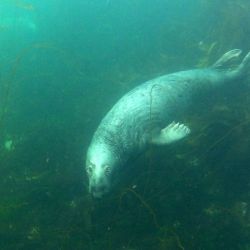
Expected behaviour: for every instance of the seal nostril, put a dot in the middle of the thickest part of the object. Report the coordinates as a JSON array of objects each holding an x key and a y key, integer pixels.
[
  {"x": 100, "y": 188},
  {"x": 94, "y": 189}
]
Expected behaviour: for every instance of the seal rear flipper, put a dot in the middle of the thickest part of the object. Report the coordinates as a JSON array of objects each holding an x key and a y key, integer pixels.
[
  {"x": 244, "y": 67},
  {"x": 173, "y": 132},
  {"x": 227, "y": 60},
  {"x": 227, "y": 63}
]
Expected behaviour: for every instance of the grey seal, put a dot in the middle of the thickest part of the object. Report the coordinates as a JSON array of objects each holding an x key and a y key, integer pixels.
[{"x": 147, "y": 114}]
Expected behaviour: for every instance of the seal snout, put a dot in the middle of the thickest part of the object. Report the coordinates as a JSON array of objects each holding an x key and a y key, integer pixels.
[
  {"x": 98, "y": 190},
  {"x": 98, "y": 186}
]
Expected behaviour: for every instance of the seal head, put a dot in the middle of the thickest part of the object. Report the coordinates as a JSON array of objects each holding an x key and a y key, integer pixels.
[{"x": 99, "y": 167}]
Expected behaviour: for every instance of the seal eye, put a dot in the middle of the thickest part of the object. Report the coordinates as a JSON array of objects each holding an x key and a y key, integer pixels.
[
  {"x": 107, "y": 170},
  {"x": 89, "y": 170}
]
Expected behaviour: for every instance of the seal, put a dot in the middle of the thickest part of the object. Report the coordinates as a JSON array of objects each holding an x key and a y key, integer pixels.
[{"x": 147, "y": 114}]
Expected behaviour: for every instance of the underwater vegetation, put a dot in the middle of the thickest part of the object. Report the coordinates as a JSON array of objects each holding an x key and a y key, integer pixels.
[
  {"x": 193, "y": 195},
  {"x": 20, "y": 4}
]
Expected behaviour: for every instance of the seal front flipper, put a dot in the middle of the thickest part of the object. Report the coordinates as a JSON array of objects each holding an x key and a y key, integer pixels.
[{"x": 173, "y": 132}]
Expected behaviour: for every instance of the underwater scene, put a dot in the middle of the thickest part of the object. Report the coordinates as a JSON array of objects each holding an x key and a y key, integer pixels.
[{"x": 64, "y": 65}]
